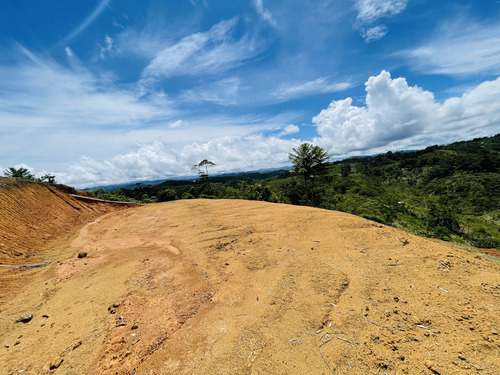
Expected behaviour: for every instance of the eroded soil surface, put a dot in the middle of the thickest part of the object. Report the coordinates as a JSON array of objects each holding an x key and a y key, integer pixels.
[{"x": 240, "y": 287}]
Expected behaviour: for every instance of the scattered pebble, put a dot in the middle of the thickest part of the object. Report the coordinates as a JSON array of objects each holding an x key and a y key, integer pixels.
[
  {"x": 122, "y": 321},
  {"x": 25, "y": 318},
  {"x": 55, "y": 363},
  {"x": 113, "y": 307}
]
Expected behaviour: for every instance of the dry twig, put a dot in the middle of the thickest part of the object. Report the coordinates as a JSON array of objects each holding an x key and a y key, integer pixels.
[{"x": 326, "y": 363}]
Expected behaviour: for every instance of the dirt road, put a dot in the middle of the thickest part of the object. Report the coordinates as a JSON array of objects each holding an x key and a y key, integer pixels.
[{"x": 240, "y": 287}]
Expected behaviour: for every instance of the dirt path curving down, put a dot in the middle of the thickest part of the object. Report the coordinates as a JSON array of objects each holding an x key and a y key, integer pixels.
[{"x": 239, "y": 287}]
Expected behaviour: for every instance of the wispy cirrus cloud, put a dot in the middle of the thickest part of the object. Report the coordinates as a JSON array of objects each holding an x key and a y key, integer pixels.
[
  {"x": 371, "y": 11},
  {"x": 223, "y": 92},
  {"x": 75, "y": 112},
  {"x": 46, "y": 93},
  {"x": 213, "y": 51},
  {"x": 70, "y": 111},
  {"x": 317, "y": 86},
  {"x": 107, "y": 48},
  {"x": 374, "y": 33},
  {"x": 264, "y": 13},
  {"x": 444, "y": 53},
  {"x": 86, "y": 23}
]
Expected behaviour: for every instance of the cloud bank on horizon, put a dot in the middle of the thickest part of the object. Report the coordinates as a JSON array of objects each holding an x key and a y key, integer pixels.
[{"x": 144, "y": 91}]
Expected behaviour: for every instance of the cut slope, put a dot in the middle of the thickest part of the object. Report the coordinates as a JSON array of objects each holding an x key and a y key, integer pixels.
[
  {"x": 33, "y": 213},
  {"x": 238, "y": 287}
]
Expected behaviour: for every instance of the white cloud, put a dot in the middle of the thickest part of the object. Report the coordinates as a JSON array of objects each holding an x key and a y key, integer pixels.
[
  {"x": 53, "y": 113},
  {"x": 459, "y": 47},
  {"x": 264, "y": 13},
  {"x": 107, "y": 48},
  {"x": 175, "y": 124},
  {"x": 143, "y": 44},
  {"x": 212, "y": 51},
  {"x": 317, "y": 86},
  {"x": 155, "y": 161},
  {"x": 371, "y": 11},
  {"x": 86, "y": 22},
  {"x": 397, "y": 116},
  {"x": 374, "y": 33},
  {"x": 290, "y": 129},
  {"x": 49, "y": 95},
  {"x": 223, "y": 92},
  {"x": 202, "y": 129}
]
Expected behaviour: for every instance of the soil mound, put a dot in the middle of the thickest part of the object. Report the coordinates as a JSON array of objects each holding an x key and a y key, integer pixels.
[
  {"x": 33, "y": 213},
  {"x": 239, "y": 287}
]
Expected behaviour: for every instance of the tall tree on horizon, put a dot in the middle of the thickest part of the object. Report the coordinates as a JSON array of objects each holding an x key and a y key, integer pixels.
[
  {"x": 202, "y": 168},
  {"x": 309, "y": 161}
]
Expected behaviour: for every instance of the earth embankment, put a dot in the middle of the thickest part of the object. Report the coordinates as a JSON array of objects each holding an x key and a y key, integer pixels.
[
  {"x": 34, "y": 213},
  {"x": 239, "y": 287}
]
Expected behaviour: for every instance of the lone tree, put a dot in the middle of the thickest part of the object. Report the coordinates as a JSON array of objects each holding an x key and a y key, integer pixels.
[
  {"x": 202, "y": 168},
  {"x": 309, "y": 161}
]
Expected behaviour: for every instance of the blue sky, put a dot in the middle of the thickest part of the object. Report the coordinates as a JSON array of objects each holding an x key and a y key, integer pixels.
[{"x": 109, "y": 91}]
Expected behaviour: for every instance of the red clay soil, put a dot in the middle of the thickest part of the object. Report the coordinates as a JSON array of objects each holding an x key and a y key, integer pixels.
[
  {"x": 34, "y": 213},
  {"x": 240, "y": 287}
]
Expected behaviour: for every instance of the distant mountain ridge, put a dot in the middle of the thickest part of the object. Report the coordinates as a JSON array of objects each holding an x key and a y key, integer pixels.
[{"x": 190, "y": 178}]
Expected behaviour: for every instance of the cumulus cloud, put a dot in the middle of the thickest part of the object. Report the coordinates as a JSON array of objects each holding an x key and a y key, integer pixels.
[
  {"x": 371, "y": 11},
  {"x": 458, "y": 47},
  {"x": 317, "y": 86},
  {"x": 155, "y": 161},
  {"x": 398, "y": 116}
]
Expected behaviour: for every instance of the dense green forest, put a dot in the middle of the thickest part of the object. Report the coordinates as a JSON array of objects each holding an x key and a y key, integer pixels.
[{"x": 448, "y": 192}]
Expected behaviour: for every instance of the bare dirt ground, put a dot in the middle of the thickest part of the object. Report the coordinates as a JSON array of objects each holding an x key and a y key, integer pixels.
[
  {"x": 240, "y": 287},
  {"x": 33, "y": 214}
]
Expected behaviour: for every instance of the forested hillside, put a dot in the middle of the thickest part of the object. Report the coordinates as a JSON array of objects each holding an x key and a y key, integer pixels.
[{"x": 448, "y": 192}]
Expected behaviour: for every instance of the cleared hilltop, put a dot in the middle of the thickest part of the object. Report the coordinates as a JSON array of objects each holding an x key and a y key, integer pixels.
[{"x": 235, "y": 287}]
